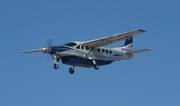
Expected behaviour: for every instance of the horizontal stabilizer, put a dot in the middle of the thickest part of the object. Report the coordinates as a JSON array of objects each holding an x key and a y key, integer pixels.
[
  {"x": 31, "y": 51},
  {"x": 137, "y": 51}
]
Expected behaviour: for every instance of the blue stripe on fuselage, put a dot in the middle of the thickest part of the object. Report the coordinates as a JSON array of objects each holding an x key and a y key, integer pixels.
[
  {"x": 58, "y": 49},
  {"x": 73, "y": 60}
]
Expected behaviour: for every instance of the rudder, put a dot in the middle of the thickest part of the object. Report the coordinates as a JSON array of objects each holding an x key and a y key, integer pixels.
[{"x": 128, "y": 41}]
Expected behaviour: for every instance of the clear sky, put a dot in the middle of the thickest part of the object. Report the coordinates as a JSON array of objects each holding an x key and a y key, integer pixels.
[{"x": 148, "y": 79}]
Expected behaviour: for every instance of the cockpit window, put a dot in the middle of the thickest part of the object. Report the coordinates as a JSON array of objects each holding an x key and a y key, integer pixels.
[
  {"x": 78, "y": 47},
  {"x": 70, "y": 44}
]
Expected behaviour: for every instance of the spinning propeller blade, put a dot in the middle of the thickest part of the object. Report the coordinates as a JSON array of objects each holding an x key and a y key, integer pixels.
[
  {"x": 49, "y": 41},
  {"x": 43, "y": 49},
  {"x": 32, "y": 51}
]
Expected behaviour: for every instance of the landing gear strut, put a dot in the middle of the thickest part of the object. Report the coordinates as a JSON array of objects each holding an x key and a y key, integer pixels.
[
  {"x": 96, "y": 67},
  {"x": 71, "y": 70},
  {"x": 56, "y": 60}
]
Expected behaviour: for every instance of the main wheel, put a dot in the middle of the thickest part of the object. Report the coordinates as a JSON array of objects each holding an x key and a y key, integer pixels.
[
  {"x": 71, "y": 70},
  {"x": 56, "y": 66},
  {"x": 96, "y": 67}
]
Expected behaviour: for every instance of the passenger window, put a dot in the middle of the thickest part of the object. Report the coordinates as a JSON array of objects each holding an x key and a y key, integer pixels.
[
  {"x": 110, "y": 52},
  {"x": 87, "y": 47},
  {"x": 98, "y": 50},
  {"x": 103, "y": 50},
  {"x": 78, "y": 47},
  {"x": 82, "y": 47},
  {"x": 106, "y": 51}
]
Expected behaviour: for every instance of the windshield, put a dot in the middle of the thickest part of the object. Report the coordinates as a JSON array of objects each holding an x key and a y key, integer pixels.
[{"x": 71, "y": 44}]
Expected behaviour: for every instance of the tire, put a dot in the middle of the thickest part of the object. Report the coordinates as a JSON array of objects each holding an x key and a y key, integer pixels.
[
  {"x": 71, "y": 70},
  {"x": 56, "y": 66},
  {"x": 96, "y": 67}
]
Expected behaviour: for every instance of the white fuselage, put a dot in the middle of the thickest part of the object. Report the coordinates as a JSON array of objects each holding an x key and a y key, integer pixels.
[{"x": 100, "y": 53}]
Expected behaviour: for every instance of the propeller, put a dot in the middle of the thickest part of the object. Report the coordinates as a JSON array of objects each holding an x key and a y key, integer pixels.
[
  {"x": 43, "y": 49},
  {"x": 49, "y": 58},
  {"x": 49, "y": 41},
  {"x": 49, "y": 49}
]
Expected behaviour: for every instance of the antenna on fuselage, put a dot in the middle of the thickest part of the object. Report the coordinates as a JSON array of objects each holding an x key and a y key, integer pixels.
[{"x": 82, "y": 42}]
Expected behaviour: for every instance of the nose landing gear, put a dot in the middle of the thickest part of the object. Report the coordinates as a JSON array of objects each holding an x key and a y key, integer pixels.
[{"x": 56, "y": 60}]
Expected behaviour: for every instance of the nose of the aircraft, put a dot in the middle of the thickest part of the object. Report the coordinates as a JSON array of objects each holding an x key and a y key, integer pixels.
[
  {"x": 55, "y": 49},
  {"x": 46, "y": 50}
]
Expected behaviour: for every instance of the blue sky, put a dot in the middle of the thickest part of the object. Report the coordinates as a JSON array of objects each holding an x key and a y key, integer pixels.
[{"x": 148, "y": 79}]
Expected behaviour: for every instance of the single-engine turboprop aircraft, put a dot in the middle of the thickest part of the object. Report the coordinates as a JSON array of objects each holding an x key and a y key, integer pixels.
[{"x": 91, "y": 53}]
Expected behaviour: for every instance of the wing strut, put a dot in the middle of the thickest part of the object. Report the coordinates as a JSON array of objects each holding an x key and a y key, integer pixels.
[{"x": 93, "y": 48}]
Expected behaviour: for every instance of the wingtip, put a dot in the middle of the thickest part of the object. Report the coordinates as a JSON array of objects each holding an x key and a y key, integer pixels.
[
  {"x": 141, "y": 30},
  {"x": 149, "y": 49}
]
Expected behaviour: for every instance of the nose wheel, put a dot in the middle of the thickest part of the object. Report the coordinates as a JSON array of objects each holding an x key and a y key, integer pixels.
[
  {"x": 56, "y": 66},
  {"x": 56, "y": 60}
]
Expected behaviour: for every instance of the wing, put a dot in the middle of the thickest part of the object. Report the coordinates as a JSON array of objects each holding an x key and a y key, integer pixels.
[
  {"x": 137, "y": 51},
  {"x": 111, "y": 39}
]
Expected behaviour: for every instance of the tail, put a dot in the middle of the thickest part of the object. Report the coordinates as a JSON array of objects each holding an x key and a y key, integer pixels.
[
  {"x": 128, "y": 44},
  {"x": 128, "y": 41},
  {"x": 128, "y": 47}
]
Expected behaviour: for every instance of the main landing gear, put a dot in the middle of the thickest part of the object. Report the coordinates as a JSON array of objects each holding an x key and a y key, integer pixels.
[
  {"x": 56, "y": 66},
  {"x": 96, "y": 67},
  {"x": 71, "y": 70}
]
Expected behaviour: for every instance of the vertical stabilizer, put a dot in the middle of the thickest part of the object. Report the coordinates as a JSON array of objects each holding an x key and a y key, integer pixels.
[
  {"x": 128, "y": 44},
  {"x": 128, "y": 41}
]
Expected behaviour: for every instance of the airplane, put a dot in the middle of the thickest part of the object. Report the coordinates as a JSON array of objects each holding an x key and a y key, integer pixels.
[{"x": 92, "y": 53}]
